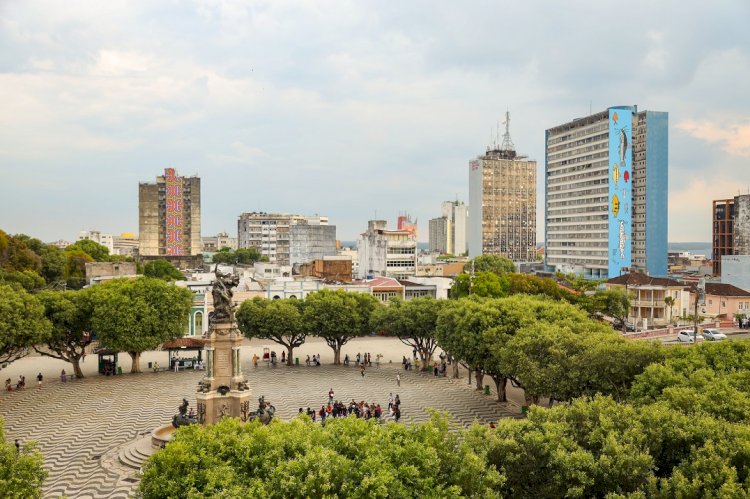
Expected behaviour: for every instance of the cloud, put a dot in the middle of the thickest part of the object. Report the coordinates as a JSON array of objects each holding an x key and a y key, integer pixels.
[{"x": 733, "y": 138}]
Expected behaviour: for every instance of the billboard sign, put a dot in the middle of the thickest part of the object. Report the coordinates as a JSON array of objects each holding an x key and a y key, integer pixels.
[
  {"x": 174, "y": 213},
  {"x": 620, "y": 189}
]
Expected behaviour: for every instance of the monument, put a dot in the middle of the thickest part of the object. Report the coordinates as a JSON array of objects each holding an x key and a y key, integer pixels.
[{"x": 223, "y": 391}]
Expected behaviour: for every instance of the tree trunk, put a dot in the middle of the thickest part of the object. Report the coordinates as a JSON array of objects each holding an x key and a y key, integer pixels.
[
  {"x": 479, "y": 376},
  {"x": 425, "y": 359},
  {"x": 500, "y": 383},
  {"x": 337, "y": 355},
  {"x": 76, "y": 367},
  {"x": 136, "y": 358},
  {"x": 289, "y": 353}
]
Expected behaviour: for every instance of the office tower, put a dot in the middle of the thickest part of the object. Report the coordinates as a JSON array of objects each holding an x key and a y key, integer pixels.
[
  {"x": 502, "y": 202},
  {"x": 387, "y": 253},
  {"x": 287, "y": 239},
  {"x": 731, "y": 229},
  {"x": 448, "y": 232},
  {"x": 439, "y": 235},
  {"x": 169, "y": 216},
  {"x": 606, "y": 209}
]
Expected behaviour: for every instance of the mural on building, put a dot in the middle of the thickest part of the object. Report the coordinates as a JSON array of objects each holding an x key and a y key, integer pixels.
[
  {"x": 174, "y": 214},
  {"x": 620, "y": 189}
]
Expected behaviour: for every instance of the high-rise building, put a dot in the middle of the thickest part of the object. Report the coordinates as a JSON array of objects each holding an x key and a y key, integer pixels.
[
  {"x": 99, "y": 237},
  {"x": 169, "y": 216},
  {"x": 439, "y": 235},
  {"x": 404, "y": 222},
  {"x": 502, "y": 203},
  {"x": 448, "y": 232},
  {"x": 287, "y": 239},
  {"x": 387, "y": 253},
  {"x": 731, "y": 229},
  {"x": 606, "y": 194}
]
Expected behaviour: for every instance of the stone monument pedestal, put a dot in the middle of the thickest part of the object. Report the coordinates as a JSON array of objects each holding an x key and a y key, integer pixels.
[{"x": 223, "y": 391}]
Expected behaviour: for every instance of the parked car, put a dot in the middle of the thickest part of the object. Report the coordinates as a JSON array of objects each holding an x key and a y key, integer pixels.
[
  {"x": 712, "y": 334},
  {"x": 686, "y": 336}
]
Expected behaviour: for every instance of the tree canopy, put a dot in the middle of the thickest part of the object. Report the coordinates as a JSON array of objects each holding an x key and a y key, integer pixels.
[
  {"x": 242, "y": 256},
  {"x": 413, "y": 322},
  {"x": 98, "y": 252},
  {"x": 346, "y": 457},
  {"x": 162, "y": 269},
  {"x": 490, "y": 263},
  {"x": 135, "y": 315},
  {"x": 338, "y": 316},
  {"x": 22, "y": 473},
  {"x": 279, "y": 321},
  {"x": 22, "y": 322}
]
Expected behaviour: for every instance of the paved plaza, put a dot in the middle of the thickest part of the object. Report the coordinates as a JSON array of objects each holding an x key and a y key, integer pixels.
[{"x": 80, "y": 425}]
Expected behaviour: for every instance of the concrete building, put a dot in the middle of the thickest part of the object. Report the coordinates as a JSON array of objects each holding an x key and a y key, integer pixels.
[
  {"x": 502, "y": 203},
  {"x": 169, "y": 216},
  {"x": 605, "y": 188},
  {"x": 414, "y": 290},
  {"x": 212, "y": 244},
  {"x": 648, "y": 307},
  {"x": 448, "y": 232},
  {"x": 105, "y": 240},
  {"x": 731, "y": 229},
  {"x": 329, "y": 268},
  {"x": 724, "y": 301},
  {"x": 287, "y": 239},
  {"x": 388, "y": 253},
  {"x": 439, "y": 235},
  {"x": 97, "y": 272}
]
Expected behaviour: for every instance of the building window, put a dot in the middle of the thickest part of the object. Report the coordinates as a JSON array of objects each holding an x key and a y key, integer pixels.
[{"x": 198, "y": 323}]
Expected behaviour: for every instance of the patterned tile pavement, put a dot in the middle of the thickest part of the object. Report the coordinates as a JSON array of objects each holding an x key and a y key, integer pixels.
[{"x": 79, "y": 425}]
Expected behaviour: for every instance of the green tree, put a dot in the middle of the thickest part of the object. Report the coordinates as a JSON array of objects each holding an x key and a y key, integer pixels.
[
  {"x": 16, "y": 253},
  {"x": 669, "y": 301},
  {"x": 348, "y": 457},
  {"x": 614, "y": 303},
  {"x": 75, "y": 267},
  {"x": 95, "y": 250},
  {"x": 69, "y": 312},
  {"x": 413, "y": 322},
  {"x": 22, "y": 322},
  {"x": 279, "y": 321},
  {"x": 53, "y": 264},
  {"x": 136, "y": 315},
  {"x": 490, "y": 263},
  {"x": 482, "y": 284},
  {"x": 243, "y": 256},
  {"x": 337, "y": 317},
  {"x": 28, "y": 279},
  {"x": 22, "y": 474},
  {"x": 162, "y": 269}
]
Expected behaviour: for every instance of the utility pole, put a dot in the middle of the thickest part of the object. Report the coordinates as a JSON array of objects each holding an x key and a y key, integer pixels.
[{"x": 700, "y": 291}]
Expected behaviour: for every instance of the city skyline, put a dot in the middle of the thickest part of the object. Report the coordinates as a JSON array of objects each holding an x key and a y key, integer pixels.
[{"x": 346, "y": 110}]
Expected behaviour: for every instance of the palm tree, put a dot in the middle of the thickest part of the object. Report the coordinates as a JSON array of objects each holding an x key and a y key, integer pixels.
[{"x": 670, "y": 303}]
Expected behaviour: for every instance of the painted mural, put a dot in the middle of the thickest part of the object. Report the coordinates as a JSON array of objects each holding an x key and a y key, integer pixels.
[
  {"x": 174, "y": 213},
  {"x": 620, "y": 189}
]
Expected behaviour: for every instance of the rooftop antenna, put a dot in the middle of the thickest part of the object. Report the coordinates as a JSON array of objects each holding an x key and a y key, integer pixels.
[{"x": 507, "y": 142}]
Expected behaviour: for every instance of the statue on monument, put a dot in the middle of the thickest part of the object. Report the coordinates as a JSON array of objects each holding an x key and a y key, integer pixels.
[{"x": 221, "y": 291}]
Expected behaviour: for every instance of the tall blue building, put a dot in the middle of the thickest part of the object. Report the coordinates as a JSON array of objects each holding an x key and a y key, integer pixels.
[{"x": 606, "y": 194}]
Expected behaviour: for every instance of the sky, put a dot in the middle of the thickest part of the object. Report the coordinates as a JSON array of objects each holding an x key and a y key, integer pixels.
[{"x": 354, "y": 110}]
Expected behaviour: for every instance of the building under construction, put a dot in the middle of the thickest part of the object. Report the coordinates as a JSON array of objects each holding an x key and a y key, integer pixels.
[{"x": 502, "y": 202}]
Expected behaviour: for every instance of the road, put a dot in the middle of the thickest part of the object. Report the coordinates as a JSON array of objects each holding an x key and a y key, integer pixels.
[{"x": 733, "y": 334}]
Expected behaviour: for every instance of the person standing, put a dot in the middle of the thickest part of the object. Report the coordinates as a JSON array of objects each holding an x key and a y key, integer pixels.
[
  {"x": 362, "y": 369},
  {"x": 330, "y": 396},
  {"x": 390, "y": 400},
  {"x": 414, "y": 352},
  {"x": 398, "y": 379},
  {"x": 18, "y": 446},
  {"x": 39, "y": 379}
]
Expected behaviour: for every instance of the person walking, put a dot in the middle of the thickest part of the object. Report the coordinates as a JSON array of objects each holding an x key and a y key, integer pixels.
[
  {"x": 390, "y": 400},
  {"x": 362, "y": 369},
  {"x": 39, "y": 379},
  {"x": 63, "y": 376},
  {"x": 398, "y": 379},
  {"x": 18, "y": 446},
  {"x": 330, "y": 396}
]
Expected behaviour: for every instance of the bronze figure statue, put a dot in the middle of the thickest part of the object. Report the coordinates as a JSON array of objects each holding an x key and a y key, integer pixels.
[{"x": 221, "y": 291}]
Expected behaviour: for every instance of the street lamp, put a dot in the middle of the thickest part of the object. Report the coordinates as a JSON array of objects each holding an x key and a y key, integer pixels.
[{"x": 700, "y": 296}]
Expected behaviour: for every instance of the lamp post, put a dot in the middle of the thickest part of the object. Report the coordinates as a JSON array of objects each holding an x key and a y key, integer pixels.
[{"x": 699, "y": 296}]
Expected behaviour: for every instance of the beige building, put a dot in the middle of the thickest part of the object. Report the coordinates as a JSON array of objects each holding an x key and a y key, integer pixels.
[
  {"x": 388, "y": 253},
  {"x": 169, "y": 216},
  {"x": 502, "y": 203},
  {"x": 648, "y": 298}
]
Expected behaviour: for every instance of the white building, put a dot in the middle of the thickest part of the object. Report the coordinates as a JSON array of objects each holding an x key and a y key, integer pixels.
[
  {"x": 105, "y": 240},
  {"x": 388, "y": 253}
]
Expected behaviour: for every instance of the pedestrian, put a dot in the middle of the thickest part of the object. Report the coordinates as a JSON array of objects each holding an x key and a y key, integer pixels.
[
  {"x": 330, "y": 396},
  {"x": 362, "y": 370},
  {"x": 176, "y": 365},
  {"x": 39, "y": 379},
  {"x": 414, "y": 352},
  {"x": 346, "y": 359},
  {"x": 63, "y": 376},
  {"x": 307, "y": 361},
  {"x": 435, "y": 368},
  {"x": 397, "y": 402},
  {"x": 397, "y": 414},
  {"x": 398, "y": 379},
  {"x": 8, "y": 387},
  {"x": 255, "y": 360},
  {"x": 283, "y": 357},
  {"x": 359, "y": 359},
  {"x": 390, "y": 400},
  {"x": 18, "y": 446}
]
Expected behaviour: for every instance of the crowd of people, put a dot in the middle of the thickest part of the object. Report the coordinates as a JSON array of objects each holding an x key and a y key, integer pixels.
[{"x": 339, "y": 409}]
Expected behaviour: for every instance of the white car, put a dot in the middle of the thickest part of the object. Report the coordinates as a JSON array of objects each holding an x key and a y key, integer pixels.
[
  {"x": 686, "y": 336},
  {"x": 713, "y": 334}
]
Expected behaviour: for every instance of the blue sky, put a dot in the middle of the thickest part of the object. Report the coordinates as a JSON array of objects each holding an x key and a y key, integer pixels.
[{"x": 346, "y": 109}]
